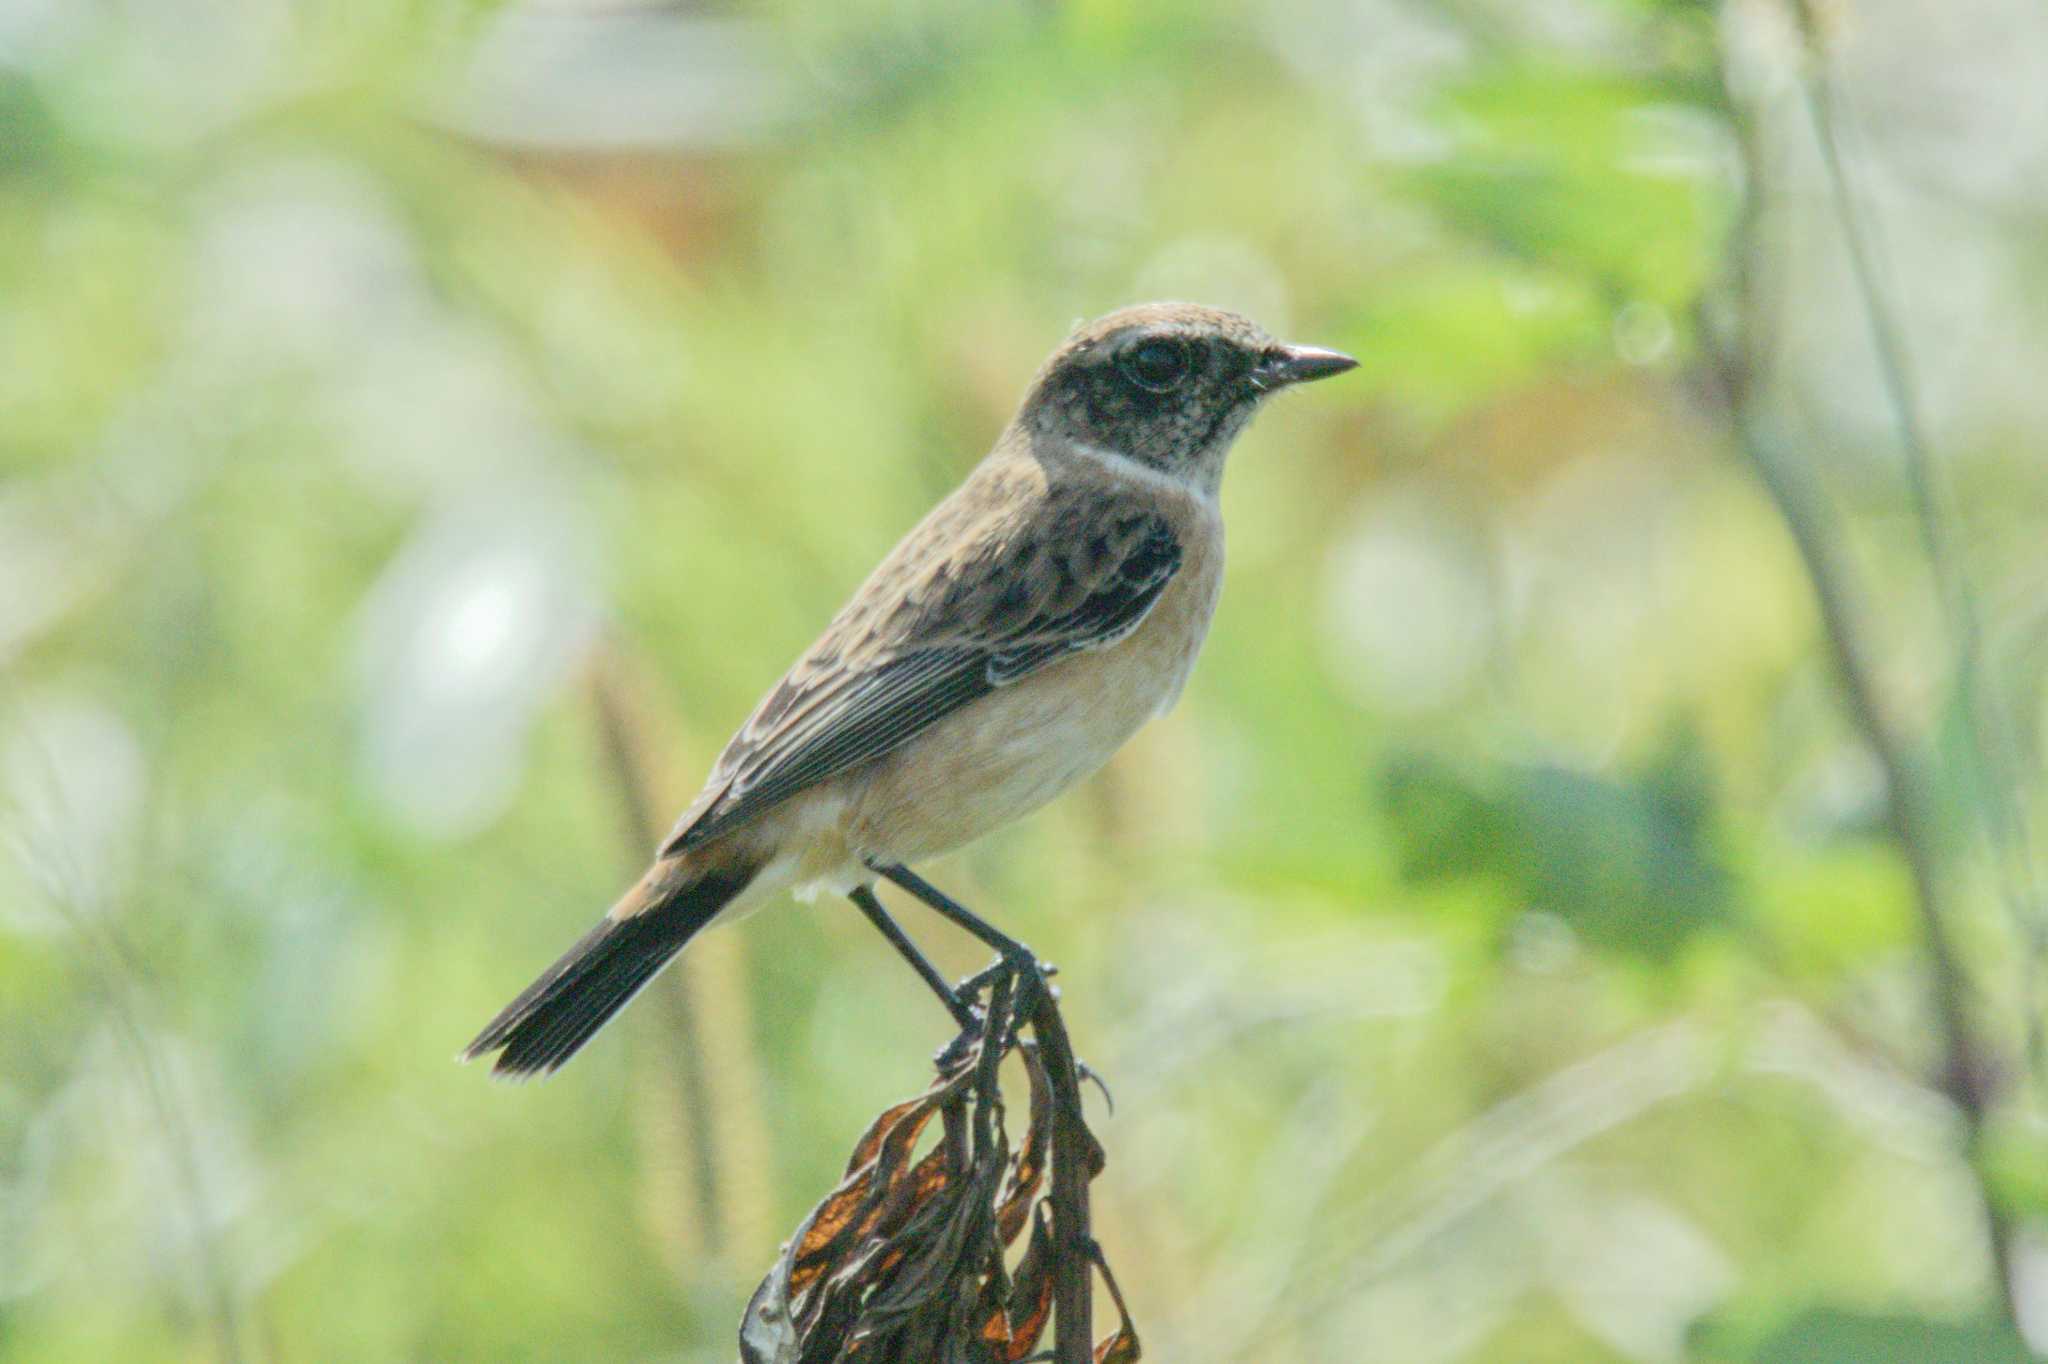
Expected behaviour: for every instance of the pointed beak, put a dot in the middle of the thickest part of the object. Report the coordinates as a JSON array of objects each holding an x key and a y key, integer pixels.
[{"x": 1285, "y": 365}]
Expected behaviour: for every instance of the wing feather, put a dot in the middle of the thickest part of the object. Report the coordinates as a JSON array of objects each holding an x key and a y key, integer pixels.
[{"x": 954, "y": 614}]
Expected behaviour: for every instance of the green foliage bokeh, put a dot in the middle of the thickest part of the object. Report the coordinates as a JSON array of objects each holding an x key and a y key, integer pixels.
[{"x": 1500, "y": 955}]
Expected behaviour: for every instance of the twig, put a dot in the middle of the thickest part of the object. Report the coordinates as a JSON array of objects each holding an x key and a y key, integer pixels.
[{"x": 1967, "y": 1073}]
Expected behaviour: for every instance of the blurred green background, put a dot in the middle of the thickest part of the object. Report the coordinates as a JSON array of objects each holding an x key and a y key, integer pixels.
[{"x": 1503, "y": 954}]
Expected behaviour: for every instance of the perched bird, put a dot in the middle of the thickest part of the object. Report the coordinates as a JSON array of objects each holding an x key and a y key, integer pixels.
[{"x": 1005, "y": 649}]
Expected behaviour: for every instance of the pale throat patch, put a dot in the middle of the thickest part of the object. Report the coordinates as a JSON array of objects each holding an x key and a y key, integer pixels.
[{"x": 1136, "y": 471}]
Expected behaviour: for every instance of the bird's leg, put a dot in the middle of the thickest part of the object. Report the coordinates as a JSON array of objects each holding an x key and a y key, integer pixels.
[
  {"x": 1016, "y": 956},
  {"x": 864, "y": 898},
  {"x": 1031, "y": 973}
]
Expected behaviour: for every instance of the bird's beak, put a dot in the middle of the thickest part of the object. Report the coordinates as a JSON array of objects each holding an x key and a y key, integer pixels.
[{"x": 1285, "y": 365}]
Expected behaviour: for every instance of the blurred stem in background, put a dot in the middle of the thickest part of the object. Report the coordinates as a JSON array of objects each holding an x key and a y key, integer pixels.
[
  {"x": 1737, "y": 342},
  {"x": 1999, "y": 789},
  {"x": 218, "y": 1298},
  {"x": 705, "y": 1118},
  {"x": 114, "y": 971}
]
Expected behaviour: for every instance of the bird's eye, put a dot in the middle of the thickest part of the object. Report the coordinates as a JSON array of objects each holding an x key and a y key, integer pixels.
[{"x": 1159, "y": 364}]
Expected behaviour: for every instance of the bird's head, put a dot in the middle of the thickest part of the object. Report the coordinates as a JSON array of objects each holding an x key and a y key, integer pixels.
[{"x": 1168, "y": 385}]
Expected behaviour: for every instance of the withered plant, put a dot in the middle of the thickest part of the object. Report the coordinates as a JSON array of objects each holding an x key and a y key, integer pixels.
[{"x": 910, "y": 1257}]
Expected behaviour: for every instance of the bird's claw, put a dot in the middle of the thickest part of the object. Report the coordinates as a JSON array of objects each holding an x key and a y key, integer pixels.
[{"x": 1086, "y": 1072}]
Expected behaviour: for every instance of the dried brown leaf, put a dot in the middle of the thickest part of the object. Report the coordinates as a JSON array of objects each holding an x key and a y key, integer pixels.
[
  {"x": 1030, "y": 1167},
  {"x": 906, "y": 1259},
  {"x": 870, "y": 1193},
  {"x": 1122, "y": 1347},
  {"x": 1030, "y": 1305}
]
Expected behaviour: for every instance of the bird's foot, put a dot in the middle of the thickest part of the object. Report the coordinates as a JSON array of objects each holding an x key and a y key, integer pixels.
[{"x": 1022, "y": 964}]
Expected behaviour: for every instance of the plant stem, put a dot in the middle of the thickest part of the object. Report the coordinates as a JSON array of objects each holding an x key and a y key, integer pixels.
[
  {"x": 1074, "y": 1157},
  {"x": 640, "y": 833},
  {"x": 1986, "y": 721},
  {"x": 1967, "y": 1071}
]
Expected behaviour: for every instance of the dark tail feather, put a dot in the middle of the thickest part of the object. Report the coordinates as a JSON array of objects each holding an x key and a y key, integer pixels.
[{"x": 557, "y": 1014}]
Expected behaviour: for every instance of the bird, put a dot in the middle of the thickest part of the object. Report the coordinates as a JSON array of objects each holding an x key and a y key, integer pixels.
[{"x": 1013, "y": 640}]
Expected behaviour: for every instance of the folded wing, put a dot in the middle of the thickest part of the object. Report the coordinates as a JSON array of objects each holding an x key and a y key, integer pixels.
[{"x": 950, "y": 617}]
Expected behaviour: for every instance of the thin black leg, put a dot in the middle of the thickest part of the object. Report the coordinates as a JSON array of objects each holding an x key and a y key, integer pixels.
[
  {"x": 864, "y": 897},
  {"x": 1028, "y": 971},
  {"x": 1014, "y": 952}
]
